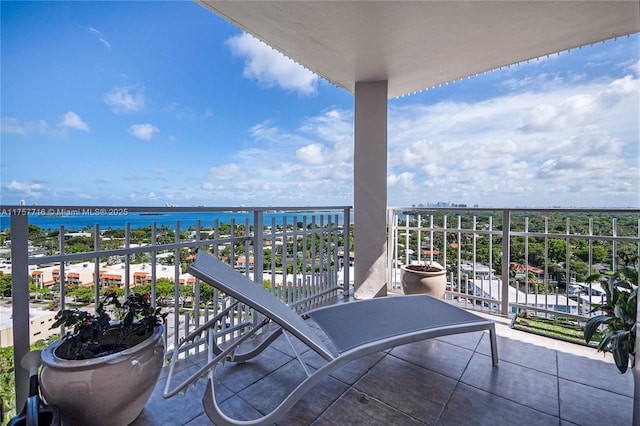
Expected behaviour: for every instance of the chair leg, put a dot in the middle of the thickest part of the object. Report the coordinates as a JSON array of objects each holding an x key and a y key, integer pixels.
[{"x": 494, "y": 345}]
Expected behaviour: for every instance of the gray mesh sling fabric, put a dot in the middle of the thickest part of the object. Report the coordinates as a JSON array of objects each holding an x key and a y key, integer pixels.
[
  {"x": 240, "y": 287},
  {"x": 363, "y": 322},
  {"x": 355, "y": 329}
]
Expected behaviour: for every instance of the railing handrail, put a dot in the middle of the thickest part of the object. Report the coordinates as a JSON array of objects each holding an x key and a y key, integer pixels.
[
  {"x": 521, "y": 209},
  {"x": 44, "y": 209}
]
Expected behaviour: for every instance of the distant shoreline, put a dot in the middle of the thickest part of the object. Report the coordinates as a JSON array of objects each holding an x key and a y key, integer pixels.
[{"x": 185, "y": 219}]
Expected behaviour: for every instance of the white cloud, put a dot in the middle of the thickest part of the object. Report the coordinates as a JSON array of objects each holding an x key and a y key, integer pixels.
[
  {"x": 580, "y": 148},
  {"x": 404, "y": 181},
  {"x": 270, "y": 68},
  {"x": 265, "y": 131},
  {"x": 125, "y": 99},
  {"x": 581, "y": 108},
  {"x": 312, "y": 154},
  {"x": 33, "y": 190},
  {"x": 143, "y": 194},
  {"x": 143, "y": 131},
  {"x": 71, "y": 120},
  {"x": 14, "y": 126},
  {"x": 100, "y": 37},
  {"x": 225, "y": 172},
  {"x": 310, "y": 164}
]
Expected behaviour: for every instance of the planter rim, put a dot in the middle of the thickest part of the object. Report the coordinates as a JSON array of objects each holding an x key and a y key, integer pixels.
[
  {"x": 50, "y": 359},
  {"x": 410, "y": 268}
]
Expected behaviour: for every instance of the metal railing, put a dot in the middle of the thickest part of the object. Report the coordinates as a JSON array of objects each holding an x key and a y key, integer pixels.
[
  {"x": 305, "y": 246},
  {"x": 302, "y": 254},
  {"x": 513, "y": 261}
]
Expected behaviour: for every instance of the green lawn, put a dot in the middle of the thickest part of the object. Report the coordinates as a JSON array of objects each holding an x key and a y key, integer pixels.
[{"x": 558, "y": 329}]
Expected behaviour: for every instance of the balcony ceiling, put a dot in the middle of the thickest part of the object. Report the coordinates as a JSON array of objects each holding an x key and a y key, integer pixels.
[{"x": 416, "y": 45}]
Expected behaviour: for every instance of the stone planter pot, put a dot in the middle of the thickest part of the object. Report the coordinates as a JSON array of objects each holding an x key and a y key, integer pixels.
[
  {"x": 423, "y": 279},
  {"x": 107, "y": 391}
]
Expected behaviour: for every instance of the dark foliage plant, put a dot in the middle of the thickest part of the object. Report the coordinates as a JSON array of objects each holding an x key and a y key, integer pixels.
[
  {"x": 618, "y": 318},
  {"x": 95, "y": 335}
]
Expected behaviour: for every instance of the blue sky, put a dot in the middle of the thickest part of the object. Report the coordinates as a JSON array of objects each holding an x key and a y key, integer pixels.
[{"x": 147, "y": 103}]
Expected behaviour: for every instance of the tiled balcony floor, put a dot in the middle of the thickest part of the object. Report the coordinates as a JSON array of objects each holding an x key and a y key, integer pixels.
[{"x": 443, "y": 381}]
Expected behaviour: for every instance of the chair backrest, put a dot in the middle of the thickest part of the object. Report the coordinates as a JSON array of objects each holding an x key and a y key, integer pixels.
[{"x": 234, "y": 284}]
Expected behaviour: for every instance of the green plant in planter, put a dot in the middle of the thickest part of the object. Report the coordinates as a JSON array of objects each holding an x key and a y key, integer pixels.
[
  {"x": 95, "y": 335},
  {"x": 619, "y": 312}
]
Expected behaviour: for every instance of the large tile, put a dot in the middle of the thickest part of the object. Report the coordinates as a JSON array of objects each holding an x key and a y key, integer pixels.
[
  {"x": 356, "y": 408},
  {"x": 466, "y": 340},
  {"x": 348, "y": 373},
  {"x": 416, "y": 391},
  {"x": 314, "y": 402},
  {"x": 471, "y": 406},
  {"x": 596, "y": 373},
  {"x": 268, "y": 392},
  {"x": 244, "y": 374},
  {"x": 526, "y": 354},
  {"x": 201, "y": 420},
  {"x": 436, "y": 355},
  {"x": 239, "y": 409},
  {"x": 585, "y": 405},
  {"x": 177, "y": 410},
  {"x": 514, "y": 382}
]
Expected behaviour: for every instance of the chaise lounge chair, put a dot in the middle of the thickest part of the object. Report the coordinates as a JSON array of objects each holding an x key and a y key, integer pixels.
[{"x": 354, "y": 329}]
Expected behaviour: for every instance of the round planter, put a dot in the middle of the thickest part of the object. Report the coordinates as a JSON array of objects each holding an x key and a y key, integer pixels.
[
  {"x": 423, "y": 279},
  {"x": 107, "y": 391}
]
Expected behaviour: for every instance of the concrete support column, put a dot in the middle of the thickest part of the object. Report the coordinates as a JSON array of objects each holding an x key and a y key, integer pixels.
[{"x": 370, "y": 189}]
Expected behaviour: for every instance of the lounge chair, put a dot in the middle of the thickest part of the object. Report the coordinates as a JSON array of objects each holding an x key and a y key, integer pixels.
[{"x": 354, "y": 329}]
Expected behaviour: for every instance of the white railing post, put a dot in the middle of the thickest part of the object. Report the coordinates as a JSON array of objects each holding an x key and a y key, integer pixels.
[
  {"x": 20, "y": 303},
  {"x": 258, "y": 246},
  {"x": 392, "y": 252},
  {"x": 346, "y": 255},
  {"x": 506, "y": 256}
]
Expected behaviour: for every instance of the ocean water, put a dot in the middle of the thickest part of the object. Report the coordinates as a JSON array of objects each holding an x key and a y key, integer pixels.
[{"x": 138, "y": 220}]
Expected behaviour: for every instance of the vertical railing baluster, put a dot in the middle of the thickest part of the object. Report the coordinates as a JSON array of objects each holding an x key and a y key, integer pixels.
[
  {"x": 321, "y": 247},
  {"x": 96, "y": 266},
  {"x": 127, "y": 258},
  {"x": 614, "y": 232},
  {"x": 154, "y": 263},
  {"x": 459, "y": 235},
  {"x": 506, "y": 258},
  {"x": 295, "y": 290},
  {"x": 567, "y": 277},
  {"x": 346, "y": 255},
  {"x": 196, "y": 285},
  {"x": 526, "y": 261},
  {"x": 274, "y": 284},
  {"x": 491, "y": 275},
  {"x": 176, "y": 286},
  {"x": 61, "y": 274},
  {"x": 546, "y": 260}
]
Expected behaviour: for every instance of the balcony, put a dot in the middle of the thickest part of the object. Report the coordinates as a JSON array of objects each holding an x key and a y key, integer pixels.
[{"x": 442, "y": 381}]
